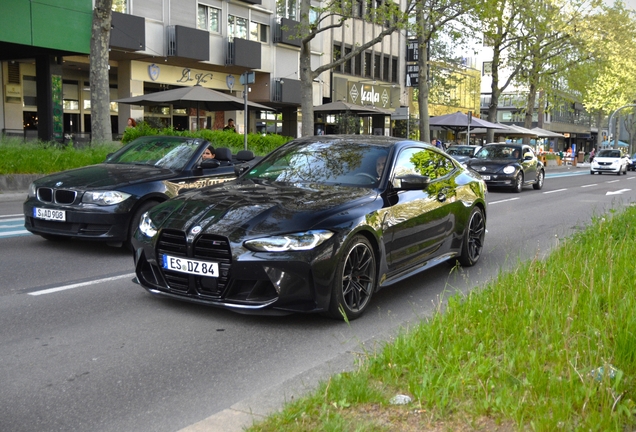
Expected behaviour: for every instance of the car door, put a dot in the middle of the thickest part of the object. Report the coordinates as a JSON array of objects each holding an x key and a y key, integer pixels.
[
  {"x": 529, "y": 166},
  {"x": 419, "y": 224}
]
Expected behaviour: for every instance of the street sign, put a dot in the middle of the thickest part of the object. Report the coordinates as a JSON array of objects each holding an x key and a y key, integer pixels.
[
  {"x": 251, "y": 76},
  {"x": 401, "y": 113},
  {"x": 412, "y": 50},
  {"x": 412, "y": 75}
]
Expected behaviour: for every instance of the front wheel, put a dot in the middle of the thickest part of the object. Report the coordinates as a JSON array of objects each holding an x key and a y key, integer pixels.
[
  {"x": 539, "y": 183},
  {"x": 518, "y": 183},
  {"x": 473, "y": 241},
  {"x": 354, "y": 280},
  {"x": 134, "y": 221}
]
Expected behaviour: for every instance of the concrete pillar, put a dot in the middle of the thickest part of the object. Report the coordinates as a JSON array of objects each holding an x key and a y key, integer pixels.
[
  {"x": 49, "y": 90},
  {"x": 127, "y": 87}
]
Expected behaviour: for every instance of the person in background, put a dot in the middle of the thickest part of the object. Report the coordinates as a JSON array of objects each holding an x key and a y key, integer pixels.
[
  {"x": 131, "y": 122},
  {"x": 592, "y": 153},
  {"x": 208, "y": 153},
  {"x": 230, "y": 126}
]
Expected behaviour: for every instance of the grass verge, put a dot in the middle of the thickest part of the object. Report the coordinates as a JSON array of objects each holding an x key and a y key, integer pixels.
[{"x": 523, "y": 352}]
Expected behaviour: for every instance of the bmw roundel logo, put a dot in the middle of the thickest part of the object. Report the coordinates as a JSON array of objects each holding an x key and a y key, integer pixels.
[
  {"x": 483, "y": 168},
  {"x": 58, "y": 184},
  {"x": 196, "y": 230}
]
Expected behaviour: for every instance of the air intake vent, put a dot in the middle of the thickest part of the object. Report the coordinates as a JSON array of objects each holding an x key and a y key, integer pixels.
[{"x": 13, "y": 73}]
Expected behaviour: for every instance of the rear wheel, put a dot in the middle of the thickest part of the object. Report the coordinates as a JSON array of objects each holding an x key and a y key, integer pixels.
[
  {"x": 518, "y": 183},
  {"x": 354, "y": 280},
  {"x": 540, "y": 178},
  {"x": 134, "y": 222},
  {"x": 473, "y": 241}
]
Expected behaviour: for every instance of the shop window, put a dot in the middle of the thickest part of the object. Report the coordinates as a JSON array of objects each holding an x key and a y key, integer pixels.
[{"x": 29, "y": 90}]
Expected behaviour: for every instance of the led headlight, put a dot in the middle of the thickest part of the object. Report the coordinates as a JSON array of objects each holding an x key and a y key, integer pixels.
[
  {"x": 146, "y": 226},
  {"x": 104, "y": 197},
  {"x": 289, "y": 242},
  {"x": 509, "y": 169}
]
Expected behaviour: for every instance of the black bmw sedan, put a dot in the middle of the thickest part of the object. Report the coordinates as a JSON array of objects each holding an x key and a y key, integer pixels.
[
  {"x": 511, "y": 166},
  {"x": 318, "y": 225},
  {"x": 105, "y": 201}
]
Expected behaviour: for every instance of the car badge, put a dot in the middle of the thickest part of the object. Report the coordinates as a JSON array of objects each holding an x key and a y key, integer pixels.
[
  {"x": 483, "y": 168},
  {"x": 196, "y": 230},
  {"x": 58, "y": 184}
]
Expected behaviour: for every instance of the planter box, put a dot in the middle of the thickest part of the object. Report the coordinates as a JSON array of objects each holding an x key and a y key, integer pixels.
[{"x": 551, "y": 162}]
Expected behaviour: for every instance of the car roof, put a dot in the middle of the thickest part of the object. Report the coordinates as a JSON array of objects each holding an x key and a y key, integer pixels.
[{"x": 376, "y": 140}]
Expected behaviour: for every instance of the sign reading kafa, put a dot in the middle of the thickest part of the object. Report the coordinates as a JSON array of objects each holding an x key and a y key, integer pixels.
[{"x": 370, "y": 94}]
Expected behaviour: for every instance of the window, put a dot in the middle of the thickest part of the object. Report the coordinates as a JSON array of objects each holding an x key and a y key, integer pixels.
[
  {"x": 358, "y": 70},
  {"x": 237, "y": 27},
  {"x": 337, "y": 54},
  {"x": 358, "y": 8},
  {"x": 486, "y": 69},
  {"x": 287, "y": 9},
  {"x": 385, "y": 69},
  {"x": 208, "y": 18},
  {"x": 367, "y": 65},
  {"x": 258, "y": 32},
  {"x": 347, "y": 65},
  {"x": 394, "y": 70},
  {"x": 120, "y": 6},
  {"x": 376, "y": 67}
]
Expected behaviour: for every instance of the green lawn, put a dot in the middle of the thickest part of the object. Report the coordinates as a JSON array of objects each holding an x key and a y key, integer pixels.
[{"x": 521, "y": 353}]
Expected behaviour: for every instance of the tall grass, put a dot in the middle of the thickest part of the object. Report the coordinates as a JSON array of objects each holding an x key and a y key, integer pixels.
[
  {"x": 523, "y": 351},
  {"x": 18, "y": 157}
]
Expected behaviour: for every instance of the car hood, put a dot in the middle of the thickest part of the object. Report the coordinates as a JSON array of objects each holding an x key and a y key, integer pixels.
[
  {"x": 104, "y": 176},
  {"x": 243, "y": 209}
]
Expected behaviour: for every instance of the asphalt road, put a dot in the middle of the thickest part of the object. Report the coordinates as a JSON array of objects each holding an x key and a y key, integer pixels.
[{"x": 83, "y": 348}]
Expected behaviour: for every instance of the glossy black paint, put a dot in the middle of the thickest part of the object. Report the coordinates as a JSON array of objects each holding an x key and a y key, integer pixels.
[
  {"x": 146, "y": 184},
  {"x": 491, "y": 160},
  {"x": 411, "y": 221}
]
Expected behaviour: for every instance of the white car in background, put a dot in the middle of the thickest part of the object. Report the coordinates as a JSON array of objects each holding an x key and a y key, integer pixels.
[{"x": 609, "y": 161}]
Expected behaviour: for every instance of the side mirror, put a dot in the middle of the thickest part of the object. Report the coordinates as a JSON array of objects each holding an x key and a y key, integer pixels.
[
  {"x": 210, "y": 164},
  {"x": 240, "y": 169},
  {"x": 411, "y": 182}
]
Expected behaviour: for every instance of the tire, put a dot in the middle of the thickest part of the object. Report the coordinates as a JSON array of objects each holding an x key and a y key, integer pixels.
[
  {"x": 354, "y": 280},
  {"x": 518, "y": 186},
  {"x": 473, "y": 241},
  {"x": 538, "y": 185},
  {"x": 592, "y": 172},
  {"x": 134, "y": 221}
]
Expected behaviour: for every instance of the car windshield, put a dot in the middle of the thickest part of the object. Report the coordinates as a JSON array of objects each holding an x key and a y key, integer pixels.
[
  {"x": 460, "y": 151},
  {"x": 609, "y": 153},
  {"x": 165, "y": 152},
  {"x": 499, "y": 152},
  {"x": 336, "y": 162}
]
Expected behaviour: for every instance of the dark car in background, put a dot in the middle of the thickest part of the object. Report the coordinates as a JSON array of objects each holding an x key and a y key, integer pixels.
[
  {"x": 105, "y": 201},
  {"x": 463, "y": 153},
  {"x": 318, "y": 225},
  {"x": 631, "y": 163},
  {"x": 510, "y": 166}
]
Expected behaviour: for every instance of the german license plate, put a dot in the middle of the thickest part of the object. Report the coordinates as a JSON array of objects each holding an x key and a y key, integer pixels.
[
  {"x": 485, "y": 177},
  {"x": 49, "y": 214},
  {"x": 185, "y": 265}
]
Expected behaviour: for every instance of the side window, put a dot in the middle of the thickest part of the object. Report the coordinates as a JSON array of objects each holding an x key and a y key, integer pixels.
[{"x": 423, "y": 162}]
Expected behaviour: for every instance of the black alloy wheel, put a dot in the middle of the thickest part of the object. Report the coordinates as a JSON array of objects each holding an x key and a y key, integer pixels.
[
  {"x": 473, "y": 242},
  {"x": 539, "y": 183},
  {"x": 354, "y": 281},
  {"x": 518, "y": 183}
]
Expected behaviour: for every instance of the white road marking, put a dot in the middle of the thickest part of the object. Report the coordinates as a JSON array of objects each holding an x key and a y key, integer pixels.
[
  {"x": 20, "y": 218},
  {"x": 590, "y": 185},
  {"x": 77, "y": 285},
  {"x": 501, "y": 201},
  {"x": 617, "y": 192},
  {"x": 612, "y": 181},
  {"x": 558, "y": 190}
]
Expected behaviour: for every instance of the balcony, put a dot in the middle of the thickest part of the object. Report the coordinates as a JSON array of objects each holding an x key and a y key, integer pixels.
[{"x": 243, "y": 53}]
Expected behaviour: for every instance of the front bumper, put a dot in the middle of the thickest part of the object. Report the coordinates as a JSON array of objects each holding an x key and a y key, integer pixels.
[
  {"x": 498, "y": 180},
  {"x": 101, "y": 223},
  {"x": 249, "y": 282},
  {"x": 605, "y": 168}
]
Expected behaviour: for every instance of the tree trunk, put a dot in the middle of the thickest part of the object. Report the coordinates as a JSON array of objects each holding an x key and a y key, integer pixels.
[
  {"x": 99, "y": 81},
  {"x": 495, "y": 92},
  {"x": 599, "y": 135},
  {"x": 423, "y": 85},
  {"x": 306, "y": 89}
]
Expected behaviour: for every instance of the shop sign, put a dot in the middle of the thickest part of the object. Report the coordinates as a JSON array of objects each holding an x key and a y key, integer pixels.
[
  {"x": 368, "y": 94},
  {"x": 153, "y": 72}
]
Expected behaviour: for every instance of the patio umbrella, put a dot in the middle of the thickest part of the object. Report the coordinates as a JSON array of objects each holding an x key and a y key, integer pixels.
[
  {"x": 459, "y": 121},
  {"x": 195, "y": 97},
  {"x": 341, "y": 107},
  {"x": 509, "y": 130},
  {"x": 543, "y": 133}
]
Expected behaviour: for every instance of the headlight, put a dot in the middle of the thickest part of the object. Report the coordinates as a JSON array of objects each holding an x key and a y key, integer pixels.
[
  {"x": 104, "y": 197},
  {"x": 289, "y": 242},
  {"x": 509, "y": 169},
  {"x": 146, "y": 226},
  {"x": 32, "y": 190}
]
